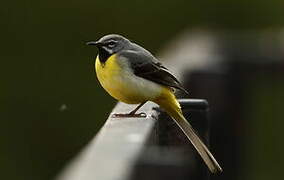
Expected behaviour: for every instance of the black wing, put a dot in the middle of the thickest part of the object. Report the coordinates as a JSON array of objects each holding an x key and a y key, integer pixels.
[{"x": 147, "y": 66}]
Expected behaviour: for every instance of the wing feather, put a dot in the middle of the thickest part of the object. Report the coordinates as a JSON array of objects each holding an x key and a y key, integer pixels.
[{"x": 147, "y": 66}]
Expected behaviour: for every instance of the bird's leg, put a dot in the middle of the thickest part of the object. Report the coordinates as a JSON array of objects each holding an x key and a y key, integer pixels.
[
  {"x": 136, "y": 109},
  {"x": 132, "y": 113}
]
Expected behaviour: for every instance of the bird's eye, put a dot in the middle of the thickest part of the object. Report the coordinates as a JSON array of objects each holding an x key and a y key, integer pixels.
[{"x": 111, "y": 44}]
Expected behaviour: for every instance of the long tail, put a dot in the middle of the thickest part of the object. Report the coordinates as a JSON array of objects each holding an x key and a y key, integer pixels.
[{"x": 169, "y": 103}]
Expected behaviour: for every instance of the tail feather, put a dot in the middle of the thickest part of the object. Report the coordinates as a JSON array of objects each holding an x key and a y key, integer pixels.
[
  {"x": 169, "y": 103},
  {"x": 201, "y": 148}
]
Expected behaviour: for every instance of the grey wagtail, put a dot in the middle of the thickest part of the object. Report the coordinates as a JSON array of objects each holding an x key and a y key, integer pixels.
[{"x": 131, "y": 74}]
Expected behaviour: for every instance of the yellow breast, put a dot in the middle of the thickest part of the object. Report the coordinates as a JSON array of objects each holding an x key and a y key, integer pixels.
[
  {"x": 106, "y": 72},
  {"x": 119, "y": 81}
]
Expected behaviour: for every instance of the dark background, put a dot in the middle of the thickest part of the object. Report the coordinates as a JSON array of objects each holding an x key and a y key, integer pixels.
[{"x": 51, "y": 102}]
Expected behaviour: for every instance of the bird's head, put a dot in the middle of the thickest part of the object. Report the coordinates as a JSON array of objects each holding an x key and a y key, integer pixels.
[{"x": 109, "y": 45}]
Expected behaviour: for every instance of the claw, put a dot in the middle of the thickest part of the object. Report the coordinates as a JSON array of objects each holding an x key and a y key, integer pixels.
[{"x": 129, "y": 115}]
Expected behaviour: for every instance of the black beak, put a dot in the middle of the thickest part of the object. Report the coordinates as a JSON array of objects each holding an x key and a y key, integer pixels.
[{"x": 94, "y": 43}]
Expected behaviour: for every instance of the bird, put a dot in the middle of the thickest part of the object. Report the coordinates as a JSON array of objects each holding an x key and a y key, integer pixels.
[{"x": 131, "y": 74}]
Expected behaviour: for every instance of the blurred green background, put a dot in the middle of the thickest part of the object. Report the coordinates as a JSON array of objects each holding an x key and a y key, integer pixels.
[{"x": 51, "y": 102}]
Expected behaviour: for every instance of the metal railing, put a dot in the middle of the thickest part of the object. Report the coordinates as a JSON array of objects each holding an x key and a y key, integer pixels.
[{"x": 142, "y": 148}]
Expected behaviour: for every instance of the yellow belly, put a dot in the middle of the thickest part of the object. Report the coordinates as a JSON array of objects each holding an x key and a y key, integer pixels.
[{"x": 123, "y": 85}]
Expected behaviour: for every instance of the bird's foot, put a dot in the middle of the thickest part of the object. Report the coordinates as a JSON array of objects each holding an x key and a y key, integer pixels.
[{"x": 130, "y": 115}]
